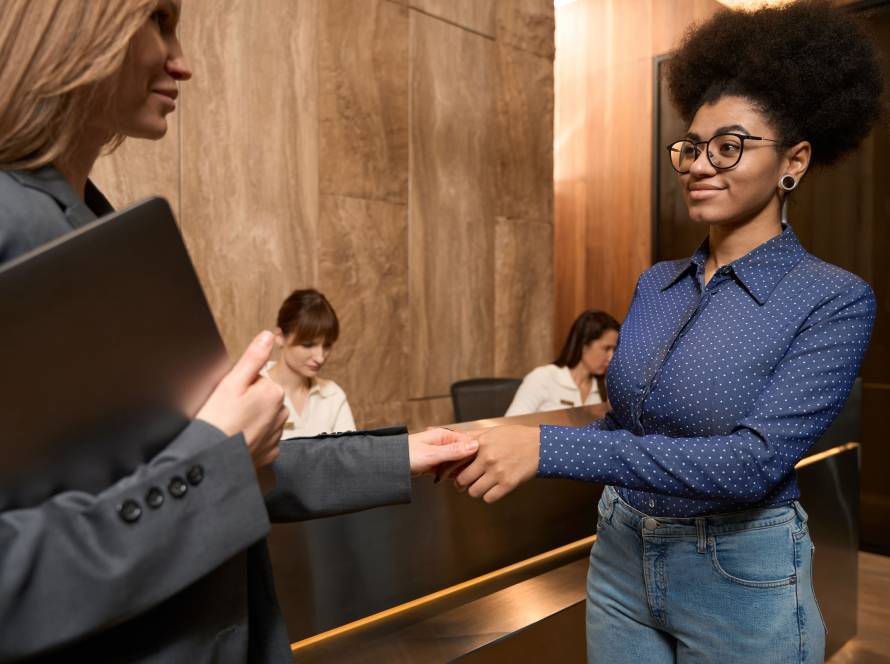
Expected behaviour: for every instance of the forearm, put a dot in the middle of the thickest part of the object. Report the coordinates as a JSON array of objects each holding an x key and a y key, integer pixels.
[
  {"x": 328, "y": 475},
  {"x": 741, "y": 467}
]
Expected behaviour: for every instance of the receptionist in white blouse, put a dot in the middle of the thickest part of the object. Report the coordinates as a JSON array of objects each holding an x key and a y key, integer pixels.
[
  {"x": 307, "y": 330},
  {"x": 577, "y": 377}
]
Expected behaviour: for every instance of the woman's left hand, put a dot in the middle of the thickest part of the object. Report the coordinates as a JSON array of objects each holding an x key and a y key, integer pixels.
[{"x": 507, "y": 457}]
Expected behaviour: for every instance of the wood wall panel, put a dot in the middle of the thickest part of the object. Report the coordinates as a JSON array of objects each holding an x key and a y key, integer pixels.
[
  {"x": 524, "y": 135},
  {"x": 523, "y": 302},
  {"x": 363, "y": 99},
  {"x": 451, "y": 205},
  {"x": 603, "y": 155},
  {"x": 527, "y": 25},
  {"x": 249, "y": 195},
  {"x": 423, "y": 413},
  {"x": 288, "y": 166},
  {"x": 475, "y": 15},
  {"x": 523, "y": 275},
  {"x": 375, "y": 416},
  {"x": 139, "y": 169},
  {"x": 362, "y": 268}
]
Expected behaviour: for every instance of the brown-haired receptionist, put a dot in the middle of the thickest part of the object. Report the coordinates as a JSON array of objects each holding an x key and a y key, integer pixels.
[
  {"x": 79, "y": 581},
  {"x": 578, "y": 376}
]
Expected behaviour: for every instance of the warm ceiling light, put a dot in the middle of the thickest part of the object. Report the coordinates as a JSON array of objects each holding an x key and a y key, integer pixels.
[{"x": 753, "y": 4}]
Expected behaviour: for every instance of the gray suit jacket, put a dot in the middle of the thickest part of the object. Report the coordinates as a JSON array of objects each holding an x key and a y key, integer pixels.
[{"x": 189, "y": 580}]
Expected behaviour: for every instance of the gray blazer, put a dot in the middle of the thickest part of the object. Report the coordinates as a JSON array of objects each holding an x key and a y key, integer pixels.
[{"x": 189, "y": 580}]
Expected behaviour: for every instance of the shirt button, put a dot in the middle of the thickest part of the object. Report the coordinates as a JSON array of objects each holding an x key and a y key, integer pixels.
[
  {"x": 177, "y": 487},
  {"x": 154, "y": 498},
  {"x": 649, "y": 523},
  {"x": 651, "y": 503},
  {"x": 195, "y": 475},
  {"x": 129, "y": 511}
]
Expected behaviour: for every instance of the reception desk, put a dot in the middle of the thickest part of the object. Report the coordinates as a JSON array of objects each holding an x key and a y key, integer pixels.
[{"x": 448, "y": 577}]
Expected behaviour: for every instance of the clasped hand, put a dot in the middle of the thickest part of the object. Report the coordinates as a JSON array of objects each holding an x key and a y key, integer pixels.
[{"x": 507, "y": 457}]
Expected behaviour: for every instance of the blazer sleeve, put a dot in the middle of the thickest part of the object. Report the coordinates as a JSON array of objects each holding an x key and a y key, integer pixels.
[
  {"x": 74, "y": 565},
  {"x": 346, "y": 472}
]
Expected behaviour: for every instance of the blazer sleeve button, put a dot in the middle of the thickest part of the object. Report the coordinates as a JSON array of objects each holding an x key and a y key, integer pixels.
[
  {"x": 195, "y": 475},
  {"x": 154, "y": 498},
  {"x": 129, "y": 511},
  {"x": 177, "y": 487}
]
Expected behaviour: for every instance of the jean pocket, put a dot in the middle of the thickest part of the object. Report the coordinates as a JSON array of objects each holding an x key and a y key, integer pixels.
[{"x": 756, "y": 558}]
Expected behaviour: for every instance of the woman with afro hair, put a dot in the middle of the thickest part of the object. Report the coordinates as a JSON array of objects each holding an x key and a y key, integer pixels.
[{"x": 731, "y": 363}]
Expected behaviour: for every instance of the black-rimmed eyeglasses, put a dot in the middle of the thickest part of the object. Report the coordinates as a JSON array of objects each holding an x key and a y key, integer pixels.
[{"x": 723, "y": 150}]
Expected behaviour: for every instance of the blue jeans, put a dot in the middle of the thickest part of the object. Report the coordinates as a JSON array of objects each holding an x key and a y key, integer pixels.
[{"x": 727, "y": 588}]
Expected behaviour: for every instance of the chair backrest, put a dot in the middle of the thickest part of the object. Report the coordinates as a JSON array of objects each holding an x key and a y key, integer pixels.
[{"x": 480, "y": 398}]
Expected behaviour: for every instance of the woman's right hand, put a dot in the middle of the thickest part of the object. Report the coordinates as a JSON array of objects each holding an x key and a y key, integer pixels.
[{"x": 244, "y": 402}]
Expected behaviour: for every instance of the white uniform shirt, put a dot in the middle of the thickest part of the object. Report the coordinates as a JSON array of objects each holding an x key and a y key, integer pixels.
[
  {"x": 325, "y": 410},
  {"x": 550, "y": 388}
]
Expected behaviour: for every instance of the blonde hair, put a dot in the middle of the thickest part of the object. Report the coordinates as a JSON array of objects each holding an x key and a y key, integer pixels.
[{"x": 53, "y": 53}]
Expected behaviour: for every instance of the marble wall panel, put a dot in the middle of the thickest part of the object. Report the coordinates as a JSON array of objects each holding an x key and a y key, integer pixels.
[
  {"x": 296, "y": 105},
  {"x": 363, "y": 99},
  {"x": 375, "y": 416},
  {"x": 523, "y": 305},
  {"x": 451, "y": 211},
  {"x": 141, "y": 168},
  {"x": 476, "y": 15},
  {"x": 528, "y": 25},
  {"x": 423, "y": 413},
  {"x": 525, "y": 135},
  {"x": 363, "y": 271},
  {"x": 249, "y": 156}
]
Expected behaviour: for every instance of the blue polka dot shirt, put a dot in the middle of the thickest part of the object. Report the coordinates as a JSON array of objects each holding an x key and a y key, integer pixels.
[{"x": 718, "y": 390}]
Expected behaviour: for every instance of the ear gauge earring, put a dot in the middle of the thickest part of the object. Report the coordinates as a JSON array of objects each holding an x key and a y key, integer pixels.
[{"x": 788, "y": 182}]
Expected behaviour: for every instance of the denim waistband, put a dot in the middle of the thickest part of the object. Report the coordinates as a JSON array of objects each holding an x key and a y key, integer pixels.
[{"x": 612, "y": 507}]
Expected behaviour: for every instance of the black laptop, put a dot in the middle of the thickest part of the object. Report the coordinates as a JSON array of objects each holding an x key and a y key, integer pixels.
[{"x": 107, "y": 349}]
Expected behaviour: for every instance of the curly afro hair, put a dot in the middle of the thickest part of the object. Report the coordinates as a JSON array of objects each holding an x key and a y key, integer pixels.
[{"x": 807, "y": 66}]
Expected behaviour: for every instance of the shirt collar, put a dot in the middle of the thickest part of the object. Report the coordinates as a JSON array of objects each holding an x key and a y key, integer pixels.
[
  {"x": 564, "y": 378},
  {"x": 50, "y": 181},
  {"x": 324, "y": 387},
  {"x": 321, "y": 386},
  {"x": 759, "y": 271}
]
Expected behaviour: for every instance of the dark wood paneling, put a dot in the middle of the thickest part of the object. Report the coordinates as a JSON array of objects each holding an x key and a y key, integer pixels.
[{"x": 604, "y": 146}]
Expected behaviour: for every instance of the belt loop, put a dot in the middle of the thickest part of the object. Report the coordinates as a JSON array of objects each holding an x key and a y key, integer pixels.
[
  {"x": 801, "y": 512},
  {"x": 701, "y": 529},
  {"x": 609, "y": 498}
]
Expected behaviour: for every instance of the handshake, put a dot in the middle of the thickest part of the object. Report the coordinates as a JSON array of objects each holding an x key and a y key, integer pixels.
[{"x": 488, "y": 463}]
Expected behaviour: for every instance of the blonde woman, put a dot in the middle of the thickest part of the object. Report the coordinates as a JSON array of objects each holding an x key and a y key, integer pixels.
[{"x": 167, "y": 564}]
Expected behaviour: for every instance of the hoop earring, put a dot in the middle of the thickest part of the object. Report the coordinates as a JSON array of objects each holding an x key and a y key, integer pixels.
[{"x": 788, "y": 182}]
